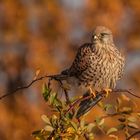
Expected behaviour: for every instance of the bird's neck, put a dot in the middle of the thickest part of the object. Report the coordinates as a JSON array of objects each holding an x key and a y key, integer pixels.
[{"x": 108, "y": 48}]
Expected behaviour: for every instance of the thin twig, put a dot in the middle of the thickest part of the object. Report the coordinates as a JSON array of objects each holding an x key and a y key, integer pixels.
[
  {"x": 24, "y": 87},
  {"x": 78, "y": 101},
  {"x": 57, "y": 78},
  {"x": 125, "y": 90},
  {"x": 134, "y": 134},
  {"x": 110, "y": 115}
]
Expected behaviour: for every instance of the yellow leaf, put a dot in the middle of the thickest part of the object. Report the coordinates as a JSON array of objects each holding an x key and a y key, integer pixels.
[
  {"x": 36, "y": 74},
  {"x": 70, "y": 130},
  {"x": 125, "y": 97},
  {"x": 114, "y": 136},
  {"x": 133, "y": 125},
  {"x": 101, "y": 122},
  {"x": 111, "y": 130}
]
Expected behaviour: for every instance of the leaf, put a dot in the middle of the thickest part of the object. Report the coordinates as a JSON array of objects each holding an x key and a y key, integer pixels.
[
  {"x": 82, "y": 123},
  {"x": 73, "y": 125},
  {"x": 69, "y": 115},
  {"x": 101, "y": 104},
  {"x": 37, "y": 132},
  {"x": 38, "y": 135},
  {"x": 114, "y": 136},
  {"x": 133, "y": 125},
  {"x": 91, "y": 136},
  {"x": 45, "y": 119},
  {"x": 70, "y": 130},
  {"x": 54, "y": 117},
  {"x": 90, "y": 127},
  {"x": 119, "y": 101},
  {"x": 108, "y": 106},
  {"x": 57, "y": 103},
  {"x": 126, "y": 110},
  {"x": 132, "y": 119},
  {"x": 101, "y": 122},
  {"x": 46, "y": 92},
  {"x": 124, "y": 97},
  {"x": 138, "y": 114},
  {"x": 52, "y": 98},
  {"x": 49, "y": 128},
  {"x": 36, "y": 74},
  {"x": 111, "y": 130}
]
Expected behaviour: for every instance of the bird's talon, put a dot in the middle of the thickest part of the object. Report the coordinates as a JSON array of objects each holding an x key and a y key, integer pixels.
[
  {"x": 92, "y": 92},
  {"x": 107, "y": 92}
]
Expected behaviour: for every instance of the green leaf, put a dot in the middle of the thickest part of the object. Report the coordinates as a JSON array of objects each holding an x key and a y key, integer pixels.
[
  {"x": 69, "y": 115},
  {"x": 46, "y": 92},
  {"x": 107, "y": 107},
  {"x": 38, "y": 135},
  {"x": 73, "y": 124},
  {"x": 133, "y": 125},
  {"x": 132, "y": 119},
  {"x": 45, "y": 119},
  {"x": 57, "y": 103},
  {"x": 52, "y": 98},
  {"x": 37, "y": 132},
  {"x": 111, "y": 130}
]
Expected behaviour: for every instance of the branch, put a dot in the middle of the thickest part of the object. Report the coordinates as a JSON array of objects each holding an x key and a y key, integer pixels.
[
  {"x": 127, "y": 91},
  {"x": 27, "y": 86},
  {"x": 58, "y": 77},
  {"x": 134, "y": 134}
]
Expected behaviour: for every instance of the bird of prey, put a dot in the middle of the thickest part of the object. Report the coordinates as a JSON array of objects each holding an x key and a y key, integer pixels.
[{"x": 98, "y": 65}]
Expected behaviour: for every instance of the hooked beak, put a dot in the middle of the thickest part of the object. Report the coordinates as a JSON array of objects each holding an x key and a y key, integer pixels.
[{"x": 95, "y": 38}]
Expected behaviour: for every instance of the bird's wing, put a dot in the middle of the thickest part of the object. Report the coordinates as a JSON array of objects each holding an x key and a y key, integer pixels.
[
  {"x": 81, "y": 61},
  {"x": 121, "y": 71}
]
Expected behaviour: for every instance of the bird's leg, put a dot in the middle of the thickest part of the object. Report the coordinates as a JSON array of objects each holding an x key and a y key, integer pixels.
[
  {"x": 92, "y": 92},
  {"x": 107, "y": 91}
]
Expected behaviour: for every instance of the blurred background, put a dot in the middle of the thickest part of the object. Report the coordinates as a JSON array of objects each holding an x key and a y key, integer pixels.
[{"x": 45, "y": 34}]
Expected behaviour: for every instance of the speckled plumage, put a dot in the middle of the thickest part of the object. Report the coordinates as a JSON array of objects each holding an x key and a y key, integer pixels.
[{"x": 98, "y": 64}]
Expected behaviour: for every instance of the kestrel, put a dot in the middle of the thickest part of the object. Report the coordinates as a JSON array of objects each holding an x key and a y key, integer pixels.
[{"x": 98, "y": 65}]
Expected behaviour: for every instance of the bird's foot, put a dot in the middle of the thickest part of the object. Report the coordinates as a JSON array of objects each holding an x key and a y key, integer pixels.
[
  {"x": 107, "y": 91},
  {"x": 92, "y": 92}
]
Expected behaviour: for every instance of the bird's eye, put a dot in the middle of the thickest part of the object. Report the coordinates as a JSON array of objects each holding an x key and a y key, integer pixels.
[{"x": 104, "y": 34}]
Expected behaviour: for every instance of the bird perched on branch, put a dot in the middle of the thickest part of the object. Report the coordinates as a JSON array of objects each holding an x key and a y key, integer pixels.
[{"x": 98, "y": 65}]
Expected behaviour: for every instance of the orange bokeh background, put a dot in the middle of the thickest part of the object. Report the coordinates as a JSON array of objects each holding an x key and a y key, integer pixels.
[{"x": 45, "y": 34}]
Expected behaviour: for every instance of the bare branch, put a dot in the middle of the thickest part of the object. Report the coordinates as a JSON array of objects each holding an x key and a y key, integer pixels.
[
  {"x": 58, "y": 78},
  {"x": 127, "y": 91},
  {"x": 27, "y": 86}
]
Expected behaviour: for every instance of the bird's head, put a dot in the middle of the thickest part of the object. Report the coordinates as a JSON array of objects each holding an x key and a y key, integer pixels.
[{"x": 102, "y": 35}]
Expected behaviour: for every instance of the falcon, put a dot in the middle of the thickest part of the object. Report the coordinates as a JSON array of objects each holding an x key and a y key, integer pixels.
[{"x": 98, "y": 65}]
